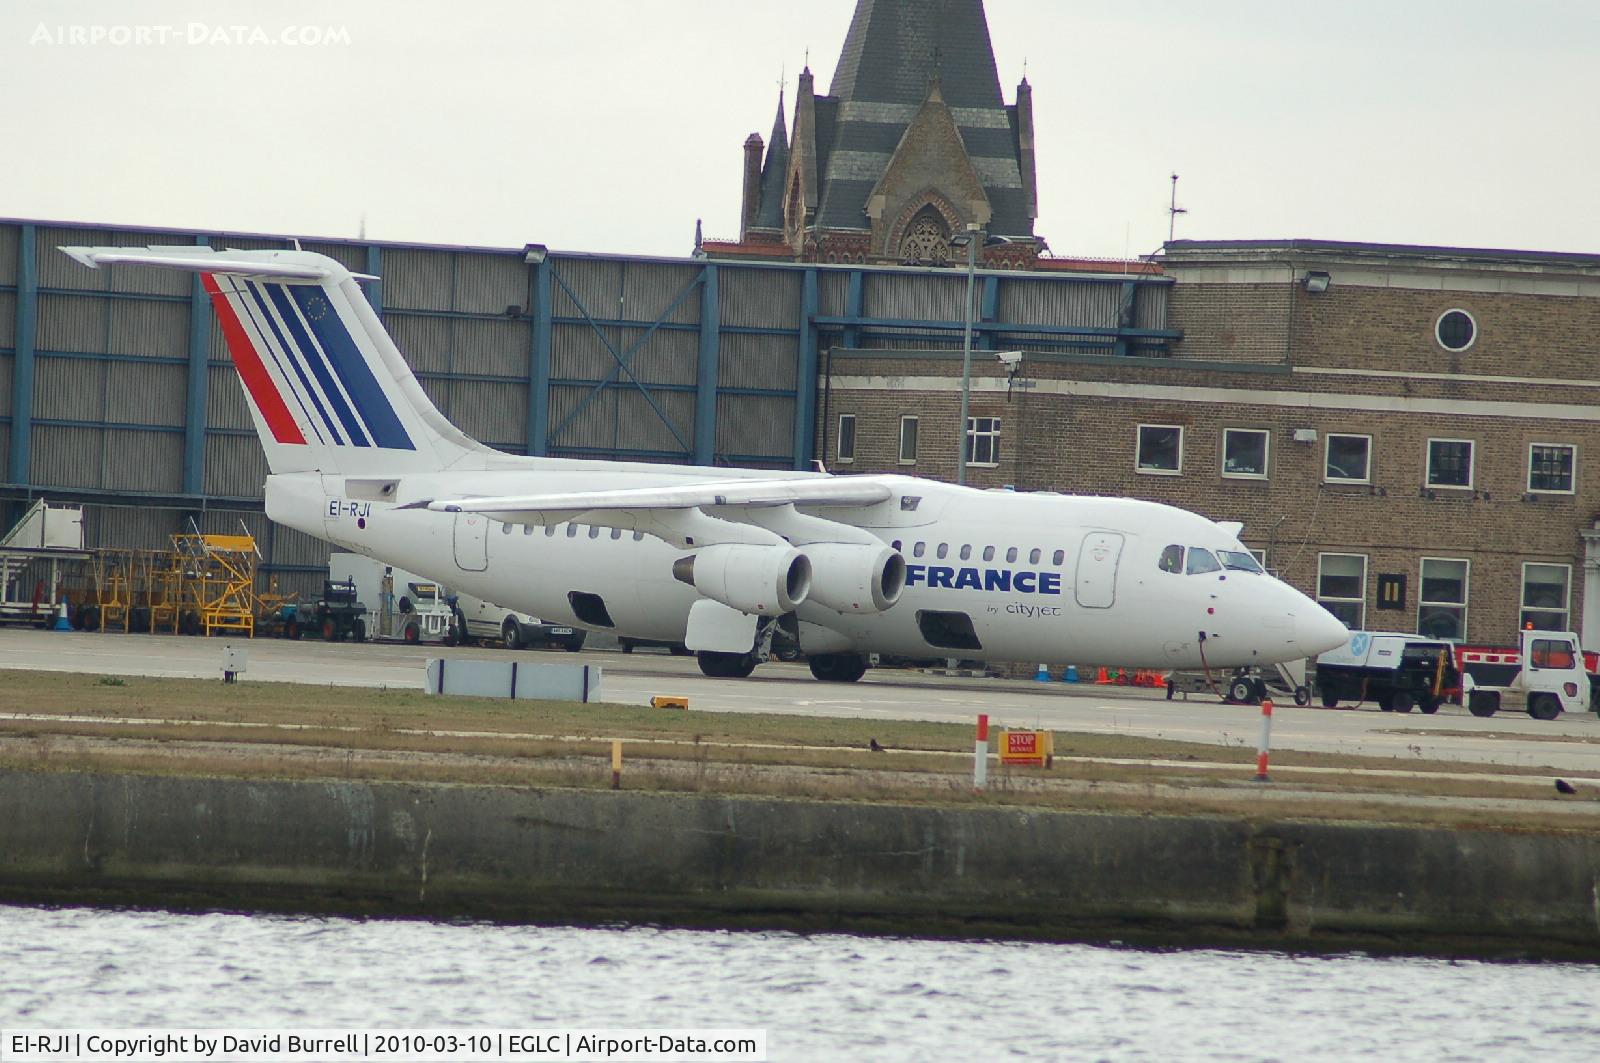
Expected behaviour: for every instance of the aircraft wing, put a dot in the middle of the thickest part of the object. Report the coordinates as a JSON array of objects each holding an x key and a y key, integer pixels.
[
  {"x": 808, "y": 491},
  {"x": 757, "y": 512}
]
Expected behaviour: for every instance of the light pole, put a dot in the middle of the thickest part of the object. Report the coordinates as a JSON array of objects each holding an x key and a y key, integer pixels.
[{"x": 966, "y": 352}]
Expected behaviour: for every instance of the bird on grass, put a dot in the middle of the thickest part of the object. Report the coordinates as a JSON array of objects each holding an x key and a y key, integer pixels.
[
  {"x": 874, "y": 746},
  {"x": 1564, "y": 787}
]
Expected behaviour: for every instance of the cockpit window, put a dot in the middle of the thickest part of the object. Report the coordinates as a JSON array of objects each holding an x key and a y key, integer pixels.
[
  {"x": 1201, "y": 561},
  {"x": 1172, "y": 559},
  {"x": 1238, "y": 560}
]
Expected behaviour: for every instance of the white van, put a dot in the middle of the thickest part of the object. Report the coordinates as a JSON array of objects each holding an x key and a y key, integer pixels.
[{"x": 514, "y": 630}]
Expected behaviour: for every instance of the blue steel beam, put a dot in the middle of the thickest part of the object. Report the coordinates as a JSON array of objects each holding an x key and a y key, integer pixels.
[
  {"x": 27, "y": 322},
  {"x": 705, "y": 396},
  {"x": 805, "y": 385},
  {"x": 852, "y": 307},
  {"x": 194, "y": 423},
  {"x": 989, "y": 311},
  {"x": 1001, "y": 326},
  {"x": 539, "y": 363}
]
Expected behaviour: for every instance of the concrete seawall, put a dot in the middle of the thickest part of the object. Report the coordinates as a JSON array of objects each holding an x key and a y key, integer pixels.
[{"x": 570, "y": 855}]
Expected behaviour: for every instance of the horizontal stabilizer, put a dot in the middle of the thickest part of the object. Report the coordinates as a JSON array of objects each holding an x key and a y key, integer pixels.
[{"x": 207, "y": 260}]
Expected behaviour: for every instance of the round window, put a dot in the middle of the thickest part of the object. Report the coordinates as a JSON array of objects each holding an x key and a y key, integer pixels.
[{"x": 1455, "y": 330}]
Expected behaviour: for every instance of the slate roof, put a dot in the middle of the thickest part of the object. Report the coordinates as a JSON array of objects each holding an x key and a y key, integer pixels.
[
  {"x": 769, "y": 212},
  {"x": 892, "y": 52}
]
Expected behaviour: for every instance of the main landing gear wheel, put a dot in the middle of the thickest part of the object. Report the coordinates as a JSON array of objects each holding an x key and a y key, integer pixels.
[
  {"x": 1241, "y": 691},
  {"x": 838, "y": 667},
  {"x": 726, "y": 665},
  {"x": 1302, "y": 696}
]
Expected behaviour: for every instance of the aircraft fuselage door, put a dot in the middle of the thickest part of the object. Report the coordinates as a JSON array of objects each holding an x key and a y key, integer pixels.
[
  {"x": 472, "y": 542},
  {"x": 1097, "y": 570}
]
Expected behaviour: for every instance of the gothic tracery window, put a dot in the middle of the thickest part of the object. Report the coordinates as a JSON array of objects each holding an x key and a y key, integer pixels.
[{"x": 927, "y": 240}]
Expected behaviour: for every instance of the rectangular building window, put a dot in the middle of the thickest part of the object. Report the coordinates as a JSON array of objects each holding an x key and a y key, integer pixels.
[
  {"x": 1342, "y": 587},
  {"x": 1160, "y": 449},
  {"x": 1550, "y": 467},
  {"x": 1348, "y": 459},
  {"x": 847, "y": 438},
  {"x": 908, "y": 440},
  {"x": 983, "y": 440},
  {"x": 1442, "y": 601},
  {"x": 1449, "y": 463},
  {"x": 1244, "y": 452},
  {"x": 1545, "y": 594}
]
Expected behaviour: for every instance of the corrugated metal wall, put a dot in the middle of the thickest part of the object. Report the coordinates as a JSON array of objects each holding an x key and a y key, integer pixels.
[{"x": 113, "y": 349}]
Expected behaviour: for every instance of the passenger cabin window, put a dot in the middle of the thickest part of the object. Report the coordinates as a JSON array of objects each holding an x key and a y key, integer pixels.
[
  {"x": 1201, "y": 561},
  {"x": 550, "y": 530},
  {"x": 1058, "y": 557},
  {"x": 638, "y": 536},
  {"x": 1172, "y": 559},
  {"x": 919, "y": 549},
  {"x": 944, "y": 549},
  {"x": 988, "y": 553},
  {"x": 572, "y": 531},
  {"x": 966, "y": 552},
  {"x": 1011, "y": 555},
  {"x": 1552, "y": 653},
  {"x": 1035, "y": 555}
]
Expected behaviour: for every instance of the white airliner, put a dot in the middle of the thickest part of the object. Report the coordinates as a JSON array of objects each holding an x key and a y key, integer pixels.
[{"x": 716, "y": 558}]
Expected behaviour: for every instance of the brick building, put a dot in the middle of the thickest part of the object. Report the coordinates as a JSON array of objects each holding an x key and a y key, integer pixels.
[{"x": 1409, "y": 434}]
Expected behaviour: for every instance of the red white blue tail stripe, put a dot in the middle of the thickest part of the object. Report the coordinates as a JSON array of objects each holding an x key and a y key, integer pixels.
[{"x": 302, "y": 365}]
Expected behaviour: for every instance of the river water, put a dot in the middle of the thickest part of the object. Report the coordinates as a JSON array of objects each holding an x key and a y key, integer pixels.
[{"x": 819, "y": 997}]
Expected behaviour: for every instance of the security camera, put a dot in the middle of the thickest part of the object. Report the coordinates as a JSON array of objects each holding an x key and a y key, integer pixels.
[{"x": 1009, "y": 359}]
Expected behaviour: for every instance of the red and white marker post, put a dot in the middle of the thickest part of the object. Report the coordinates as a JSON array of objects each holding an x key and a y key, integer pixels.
[
  {"x": 980, "y": 754},
  {"x": 1265, "y": 742}
]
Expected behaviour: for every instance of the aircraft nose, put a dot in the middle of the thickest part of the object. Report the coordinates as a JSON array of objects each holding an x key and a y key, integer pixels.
[{"x": 1319, "y": 630}]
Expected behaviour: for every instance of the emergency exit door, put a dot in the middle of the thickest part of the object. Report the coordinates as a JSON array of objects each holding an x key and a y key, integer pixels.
[{"x": 1097, "y": 570}]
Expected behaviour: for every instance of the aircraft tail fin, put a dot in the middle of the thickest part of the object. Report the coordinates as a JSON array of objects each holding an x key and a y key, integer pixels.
[{"x": 327, "y": 388}]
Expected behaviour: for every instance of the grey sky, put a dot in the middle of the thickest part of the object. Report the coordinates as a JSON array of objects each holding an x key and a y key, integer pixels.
[{"x": 611, "y": 125}]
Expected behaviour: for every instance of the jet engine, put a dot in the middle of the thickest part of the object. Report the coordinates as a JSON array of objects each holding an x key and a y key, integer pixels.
[
  {"x": 764, "y": 580},
  {"x": 853, "y": 578}
]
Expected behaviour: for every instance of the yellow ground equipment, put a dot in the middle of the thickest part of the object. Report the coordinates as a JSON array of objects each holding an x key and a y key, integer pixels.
[{"x": 219, "y": 582}]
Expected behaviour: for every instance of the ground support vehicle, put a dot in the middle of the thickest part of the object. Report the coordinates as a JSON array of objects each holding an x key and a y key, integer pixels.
[
  {"x": 339, "y": 614},
  {"x": 427, "y": 614},
  {"x": 1545, "y": 675},
  {"x": 514, "y": 630},
  {"x": 1397, "y": 672},
  {"x": 32, "y": 557},
  {"x": 400, "y": 605}
]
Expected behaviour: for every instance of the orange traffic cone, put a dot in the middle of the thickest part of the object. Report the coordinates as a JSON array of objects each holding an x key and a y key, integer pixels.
[{"x": 1103, "y": 678}]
